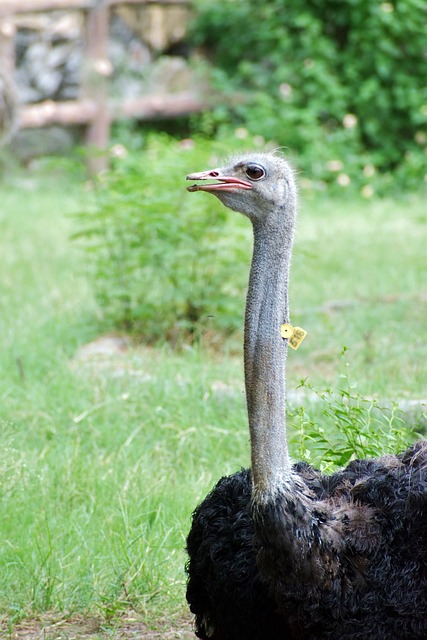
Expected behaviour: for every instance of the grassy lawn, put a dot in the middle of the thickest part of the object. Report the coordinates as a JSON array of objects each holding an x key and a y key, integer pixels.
[
  {"x": 359, "y": 280},
  {"x": 104, "y": 457}
]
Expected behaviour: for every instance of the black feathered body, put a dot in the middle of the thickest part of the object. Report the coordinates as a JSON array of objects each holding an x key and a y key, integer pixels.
[
  {"x": 225, "y": 591},
  {"x": 341, "y": 557}
]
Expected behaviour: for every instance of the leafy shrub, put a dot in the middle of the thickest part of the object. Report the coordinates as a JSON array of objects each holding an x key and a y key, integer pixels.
[
  {"x": 162, "y": 262},
  {"x": 350, "y": 426},
  {"x": 341, "y": 84}
]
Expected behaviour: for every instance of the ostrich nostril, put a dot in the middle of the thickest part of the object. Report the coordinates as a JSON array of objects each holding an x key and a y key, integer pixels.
[{"x": 214, "y": 174}]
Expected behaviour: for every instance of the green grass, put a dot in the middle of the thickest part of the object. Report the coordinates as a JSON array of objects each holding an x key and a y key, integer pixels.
[
  {"x": 359, "y": 280},
  {"x": 102, "y": 461}
]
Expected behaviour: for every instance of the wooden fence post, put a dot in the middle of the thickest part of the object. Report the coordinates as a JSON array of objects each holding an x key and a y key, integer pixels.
[
  {"x": 92, "y": 107},
  {"x": 8, "y": 93},
  {"x": 96, "y": 70},
  {"x": 7, "y": 44}
]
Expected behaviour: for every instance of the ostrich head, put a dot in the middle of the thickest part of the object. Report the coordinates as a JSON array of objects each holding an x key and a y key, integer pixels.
[{"x": 256, "y": 185}]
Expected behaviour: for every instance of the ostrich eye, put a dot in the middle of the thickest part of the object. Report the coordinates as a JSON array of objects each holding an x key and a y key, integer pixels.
[{"x": 255, "y": 172}]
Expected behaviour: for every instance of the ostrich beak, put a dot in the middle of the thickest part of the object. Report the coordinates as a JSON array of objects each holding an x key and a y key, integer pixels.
[{"x": 225, "y": 183}]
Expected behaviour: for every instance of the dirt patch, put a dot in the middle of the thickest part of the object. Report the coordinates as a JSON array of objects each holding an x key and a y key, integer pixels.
[{"x": 87, "y": 628}]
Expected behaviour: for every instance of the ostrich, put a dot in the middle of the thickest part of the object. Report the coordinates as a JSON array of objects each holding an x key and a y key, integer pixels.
[{"x": 281, "y": 551}]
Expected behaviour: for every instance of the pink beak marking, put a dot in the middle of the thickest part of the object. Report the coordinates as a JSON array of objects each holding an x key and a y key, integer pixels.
[{"x": 225, "y": 183}]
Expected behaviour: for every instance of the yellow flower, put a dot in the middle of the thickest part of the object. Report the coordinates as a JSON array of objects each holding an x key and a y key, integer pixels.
[
  {"x": 118, "y": 151},
  {"x": 285, "y": 90},
  {"x": 367, "y": 191},
  {"x": 369, "y": 170},
  {"x": 241, "y": 133},
  {"x": 349, "y": 121},
  {"x": 343, "y": 180},
  {"x": 334, "y": 165},
  {"x": 420, "y": 137}
]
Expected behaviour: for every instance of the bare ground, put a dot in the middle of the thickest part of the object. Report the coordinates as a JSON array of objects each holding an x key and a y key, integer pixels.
[{"x": 92, "y": 628}]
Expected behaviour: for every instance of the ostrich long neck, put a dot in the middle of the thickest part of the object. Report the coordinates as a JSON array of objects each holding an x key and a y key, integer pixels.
[{"x": 265, "y": 352}]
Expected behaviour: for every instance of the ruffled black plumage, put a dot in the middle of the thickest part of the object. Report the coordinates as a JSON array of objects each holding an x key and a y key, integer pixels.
[
  {"x": 224, "y": 589},
  {"x": 368, "y": 584}
]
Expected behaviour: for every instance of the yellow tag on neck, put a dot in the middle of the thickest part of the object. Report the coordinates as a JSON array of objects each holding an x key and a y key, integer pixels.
[
  {"x": 295, "y": 335},
  {"x": 286, "y": 330}
]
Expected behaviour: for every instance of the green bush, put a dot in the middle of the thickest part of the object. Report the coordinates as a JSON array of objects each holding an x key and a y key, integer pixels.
[
  {"x": 341, "y": 84},
  {"x": 161, "y": 260},
  {"x": 342, "y": 425}
]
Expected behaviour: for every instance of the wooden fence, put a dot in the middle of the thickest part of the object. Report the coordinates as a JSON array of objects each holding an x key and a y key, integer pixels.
[{"x": 93, "y": 108}]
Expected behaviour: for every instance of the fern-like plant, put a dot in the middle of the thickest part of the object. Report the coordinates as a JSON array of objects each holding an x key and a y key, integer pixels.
[{"x": 342, "y": 425}]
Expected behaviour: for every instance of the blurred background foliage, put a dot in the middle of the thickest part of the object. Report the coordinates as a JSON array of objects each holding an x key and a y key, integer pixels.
[{"x": 341, "y": 84}]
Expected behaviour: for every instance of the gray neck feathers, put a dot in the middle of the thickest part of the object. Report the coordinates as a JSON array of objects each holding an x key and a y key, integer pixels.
[{"x": 265, "y": 351}]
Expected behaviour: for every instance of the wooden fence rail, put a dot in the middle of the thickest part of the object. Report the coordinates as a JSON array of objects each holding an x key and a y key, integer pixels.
[
  {"x": 11, "y": 7},
  {"x": 94, "y": 108},
  {"x": 82, "y": 111}
]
